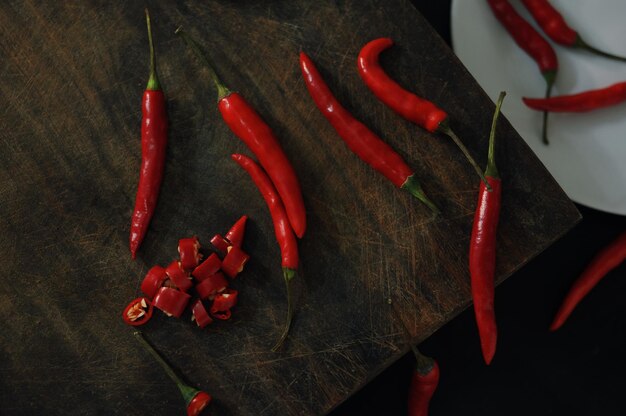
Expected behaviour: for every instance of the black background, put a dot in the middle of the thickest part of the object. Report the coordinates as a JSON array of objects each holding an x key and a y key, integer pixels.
[{"x": 578, "y": 370}]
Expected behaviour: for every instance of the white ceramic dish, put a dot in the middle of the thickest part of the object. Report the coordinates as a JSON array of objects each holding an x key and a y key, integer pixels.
[{"x": 587, "y": 151}]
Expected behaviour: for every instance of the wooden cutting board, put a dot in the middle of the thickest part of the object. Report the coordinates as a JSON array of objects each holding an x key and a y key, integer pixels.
[{"x": 71, "y": 79}]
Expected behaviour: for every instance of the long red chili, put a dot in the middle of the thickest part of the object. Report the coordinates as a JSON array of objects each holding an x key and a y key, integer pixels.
[
  {"x": 153, "y": 146},
  {"x": 282, "y": 230},
  {"x": 424, "y": 381},
  {"x": 581, "y": 102},
  {"x": 413, "y": 108},
  {"x": 360, "y": 139},
  {"x": 532, "y": 43},
  {"x": 246, "y": 123},
  {"x": 606, "y": 260},
  {"x": 554, "y": 25},
  {"x": 482, "y": 252}
]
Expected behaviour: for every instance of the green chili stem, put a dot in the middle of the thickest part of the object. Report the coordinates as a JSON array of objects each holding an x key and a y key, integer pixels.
[
  {"x": 288, "y": 275},
  {"x": 584, "y": 45},
  {"x": 492, "y": 169},
  {"x": 445, "y": 129},
  {"x": 414, "y": 188},
  {"x": 187, "y": 391},
  {"x": 222, "y": 90},
  {"x": 153, "y": 81}
]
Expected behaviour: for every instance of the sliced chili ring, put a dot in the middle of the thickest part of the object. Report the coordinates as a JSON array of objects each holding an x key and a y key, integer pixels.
[
  {"x": 189, "y": 252},
  {"x": 138, "y": 311},
  {"x": 220, "y": 243},
  {"x": 208, "y": 267},
  {"x": 154, "y": 279},
  {"x": 200, "y": 314},
  {"x": 223, "y": 302},
  {"x": 178, "y": 276},
  {"x": 234, "y": 261},
  {"x": 171, "y": 301},
  {"x": 211, "y": 286}
]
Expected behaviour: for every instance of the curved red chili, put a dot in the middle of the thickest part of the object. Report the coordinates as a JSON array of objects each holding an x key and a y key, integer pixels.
[
  {"x": 606, "y": 260},
  {"x": 413, "y": 108},
  {"x": 532, "y": 43},
  {"x": 557, "y": 29},
  {"x": 423, "y": 385},
  {"x": 153, "y": 146},
  {"x": 196, "y": 400},
  {"x": 138, "y": 311},
  {"x": 581, "y": 102},
  {"x": 482, "y": 252},
  {"x": 360, "y": 139},
  {"x": 282, "y": 230},
  {"x": 246, "y": 124},
  {"x": 237, "y": 231}
]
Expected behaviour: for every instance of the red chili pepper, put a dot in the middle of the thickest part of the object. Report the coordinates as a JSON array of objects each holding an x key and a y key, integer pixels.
[
  {"x": 282, "y": 230},
  {"x": 246, "y": 124},
  {"x": 557, "y": 29},
  {"x": 171, "y": 301},
  {"x": 423, "y": 385},
  {"x": 413, "y": 108},
  {"x": 153, "y": 281},
  {"x": 153, "y": 146},
  {"x": 606, "y": 260},
  {"x": 236, "y": 233},
  {"x": 209, "y": 287},
  {"x": 196, "y": 400},
  {"x": 581, "y": 102},
  {"x": 220, "y": 243},
  {"x": 482, "y": 252},
  {"x": 532, "y": 43},
  {"x": 138, "y": 311},
  {"x": 360, "y": 139},
  {"x": 189, "y": 252},
  {"x": 200, "y": 314},
  {"x": 222, "y": 304},
  {"x": 178, "y": 276},
  {"x": 234, "y": 261},
  {"x": 207, "y": 268}
]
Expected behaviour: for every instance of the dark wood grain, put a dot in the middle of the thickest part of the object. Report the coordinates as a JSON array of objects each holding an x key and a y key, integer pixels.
[{"x": 71, "y": 79}]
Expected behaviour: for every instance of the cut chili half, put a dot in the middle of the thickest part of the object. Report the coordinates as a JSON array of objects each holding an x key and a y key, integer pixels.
[
  {"x": 154, "y": 279},
  {"x": 178, "y": 276},
  {"x": 200, "y": 314},
  {"x": 138, "y": 311},
  {"x": 220, "y": 243},
  {"x": 207, "y": 268},
  {"x": 236, "y": 232},
  {"x": 189, "y": 252},
  {"x": 211, "y": 286},
  {"x": 171, "y": 301},
  {"x": 234, "y": 261},
  {"x": 222, "y": 304}
]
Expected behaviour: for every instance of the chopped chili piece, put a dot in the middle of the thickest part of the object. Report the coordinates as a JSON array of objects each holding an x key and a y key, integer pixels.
[
  {"x": 359, "y": 138},
  {"x": 222, "y": 304},
  {"x": 234, "y": 261},
  {"x": 211, "y": 285},
  {"x": 179, "y": 277},
  {"x": 189, "y": 252},
  {"x": 153, "y": 147},
  {"x": 155, "y": 278},
  {"x": 482, "y": 250},
  {"x": 171, "y": 301},
  {"x": 220, "y": 243},
  {"x": 200, "y": 314},
  {"x": 138, "y": 311},
  {"x": 248, "y": 125},
  {"x": 236, "y": 232},
  {"x": 196, "y": 400},
  {"x": 207, "y": 268}
]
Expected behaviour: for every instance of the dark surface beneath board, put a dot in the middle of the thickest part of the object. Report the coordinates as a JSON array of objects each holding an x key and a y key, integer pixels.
[
  {"x": 577, "y": 371},
  {"x": 71, "y": 81}
]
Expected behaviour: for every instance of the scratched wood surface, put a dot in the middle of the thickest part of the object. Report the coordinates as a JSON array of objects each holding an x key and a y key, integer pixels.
[{"x": 71, "y": 79}]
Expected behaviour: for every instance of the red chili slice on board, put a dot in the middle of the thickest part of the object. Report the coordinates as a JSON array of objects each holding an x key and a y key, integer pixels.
[
  {"x": 220, "y": 243},
  {"x": 200, "y": 314},
  {"x": 222, "y": 304},
  {"x": 171, "y": 301},
  {"x": 234, "y": 261},
  {"x": 189, "y": 252},
  {"x": 212, "y": 285},
  {"x": 138, "y": 311},
  {"x": 179, "y": 276},
  {"x": 154, "y": 279},
  {"x": 207, "y": 268}
]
